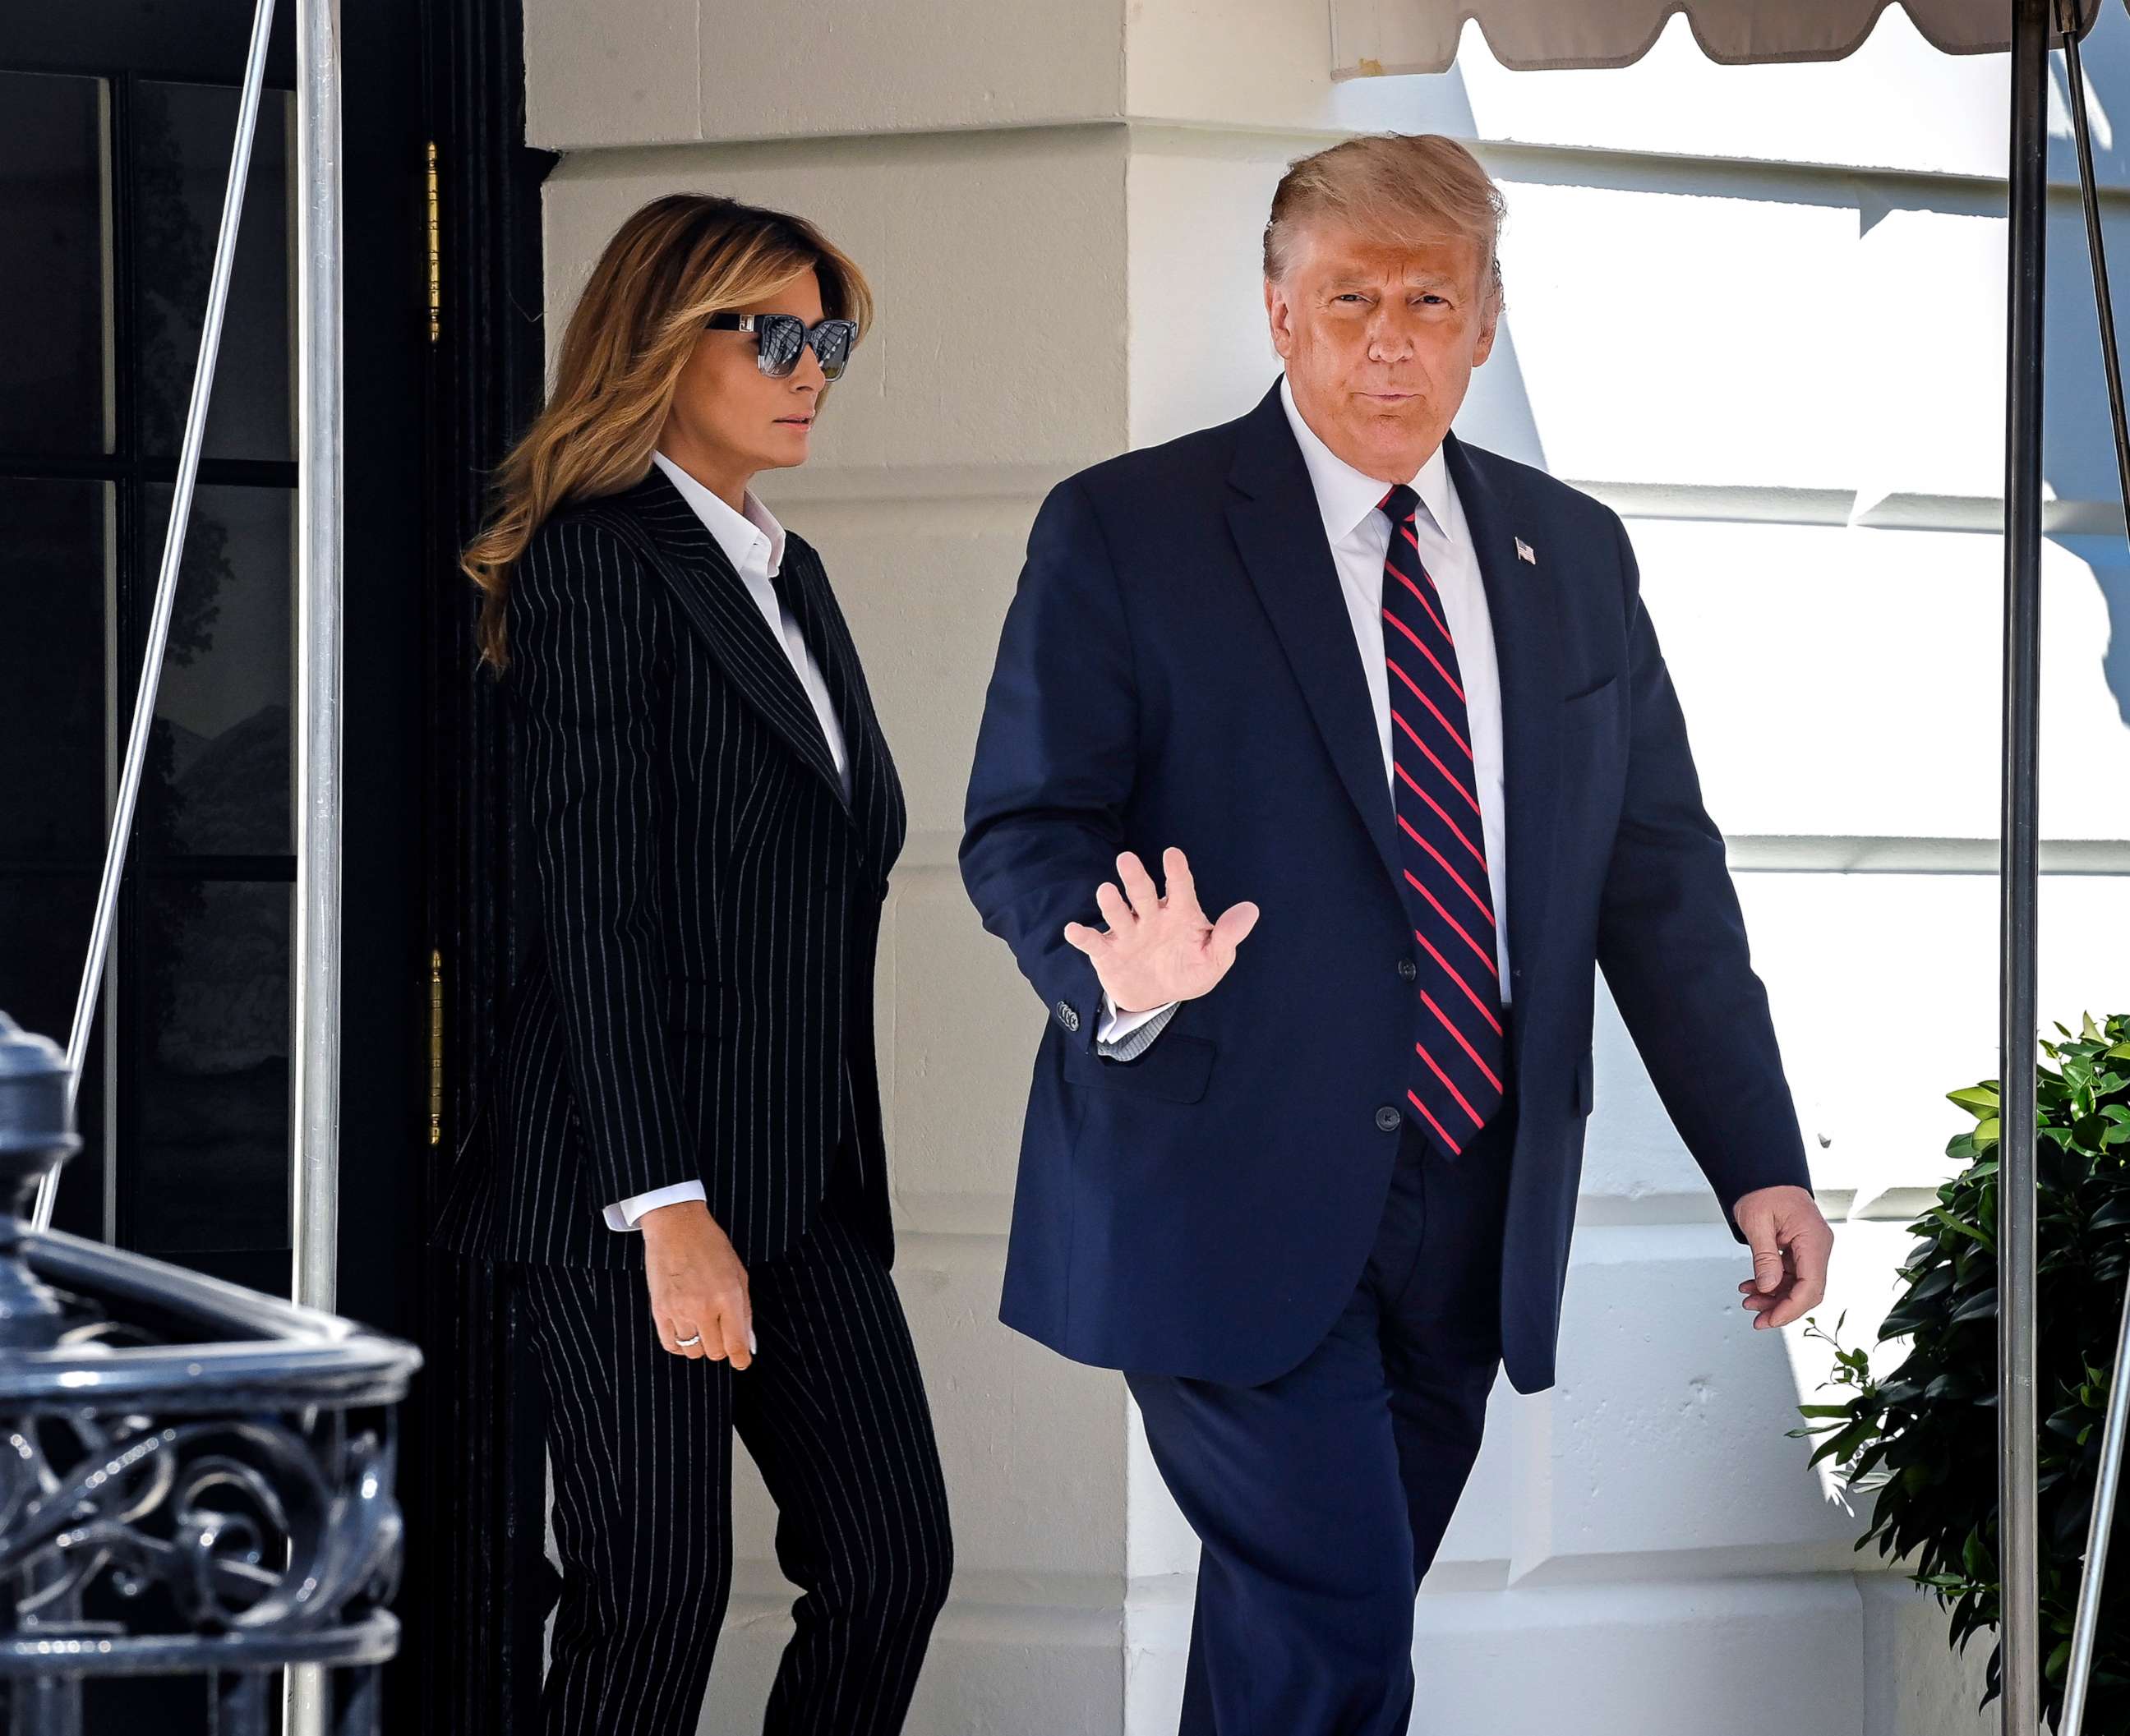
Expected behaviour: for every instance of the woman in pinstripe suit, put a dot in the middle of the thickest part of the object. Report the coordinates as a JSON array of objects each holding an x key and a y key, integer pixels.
[{"x": 686, "y": 1157}]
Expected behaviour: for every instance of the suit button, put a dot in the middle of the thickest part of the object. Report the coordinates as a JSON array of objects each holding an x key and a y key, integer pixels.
[
  {"x": 1407, "y": 969},
  {"x": 1387, "y": 1118},
  {"x": 1067, "y": 1017}
]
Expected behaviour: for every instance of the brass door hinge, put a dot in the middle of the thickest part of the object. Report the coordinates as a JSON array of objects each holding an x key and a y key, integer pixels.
[
  {"x": 436, "y": 268},
  {"x": 436, "y": 1047}
]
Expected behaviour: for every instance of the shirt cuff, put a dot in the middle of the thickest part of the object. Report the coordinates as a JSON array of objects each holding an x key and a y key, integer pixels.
[
  {"x": 1127, "y": 1036},
  {"x": 1115, "y": 1026},
  {"x": 622, "y": 1213}
]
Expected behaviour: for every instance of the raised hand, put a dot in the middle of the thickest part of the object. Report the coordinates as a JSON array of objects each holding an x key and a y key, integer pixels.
[{"x": 1157, "y": 950}]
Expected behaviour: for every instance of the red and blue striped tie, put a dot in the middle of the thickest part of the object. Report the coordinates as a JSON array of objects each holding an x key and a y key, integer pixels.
[{"x": 1458, "y": 1058}]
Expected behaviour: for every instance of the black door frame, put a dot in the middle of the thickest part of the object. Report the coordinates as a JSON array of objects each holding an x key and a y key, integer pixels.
[{"x": 479, "y": 1584}]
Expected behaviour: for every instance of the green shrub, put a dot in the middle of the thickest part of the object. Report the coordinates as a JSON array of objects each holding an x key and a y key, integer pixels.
[{"x": 1923, "y": 1439}]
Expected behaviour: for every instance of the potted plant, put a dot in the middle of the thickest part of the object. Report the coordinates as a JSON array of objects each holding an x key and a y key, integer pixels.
[{"x": 1922, "y": 1440}]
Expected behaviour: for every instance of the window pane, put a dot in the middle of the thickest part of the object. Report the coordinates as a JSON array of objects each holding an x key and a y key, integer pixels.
[
  {"x": 182, "y": 138},
  {"x": 54, "y": 310},
  {"x": 54, "y": 590},
  {"x": 217, "y": 781},
  {"x": 44, "y": 939},
  {"x": 44, "y": 942},
  {"x": 209, "y": 1162}
]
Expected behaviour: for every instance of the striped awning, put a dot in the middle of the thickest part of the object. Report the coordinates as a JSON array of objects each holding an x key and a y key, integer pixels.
[{"x": 1372, "y": 38}]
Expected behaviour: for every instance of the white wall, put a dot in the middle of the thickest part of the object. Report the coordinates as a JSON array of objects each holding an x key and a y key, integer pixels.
[{"x": 1760, "y": 310}]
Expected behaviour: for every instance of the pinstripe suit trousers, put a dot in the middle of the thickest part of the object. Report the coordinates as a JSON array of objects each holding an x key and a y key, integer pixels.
[{"x": 833, "y": 1412}]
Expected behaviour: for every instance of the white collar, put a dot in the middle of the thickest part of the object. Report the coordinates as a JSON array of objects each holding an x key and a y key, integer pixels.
[
  {"x": 754, "y": 533},
  {"x": 1344, "y": 496}
]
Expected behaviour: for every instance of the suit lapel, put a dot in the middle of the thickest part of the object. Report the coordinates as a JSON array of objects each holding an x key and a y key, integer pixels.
[
  {"x": 876, "y": 798},
  {"x": 1272, "y": 512},
  {"x": 1523, "y": 604},
  {"x": 716, "y": 603}
]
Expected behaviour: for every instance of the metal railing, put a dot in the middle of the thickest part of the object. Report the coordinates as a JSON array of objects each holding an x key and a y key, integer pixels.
[{"x": 195, "y": 1479}]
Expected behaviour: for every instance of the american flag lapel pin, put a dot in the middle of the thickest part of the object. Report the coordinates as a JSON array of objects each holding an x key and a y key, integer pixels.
[{"x": 1524, "y": 552}]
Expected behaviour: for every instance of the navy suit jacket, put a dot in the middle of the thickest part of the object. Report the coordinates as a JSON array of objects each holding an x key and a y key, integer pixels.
[{"x": 1177, "y": 668}]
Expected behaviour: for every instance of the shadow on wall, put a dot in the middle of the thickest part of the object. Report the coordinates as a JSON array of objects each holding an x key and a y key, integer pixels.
[
  {"x": 2078, "y": 462},
  {"x": 2107, "y": 559}
]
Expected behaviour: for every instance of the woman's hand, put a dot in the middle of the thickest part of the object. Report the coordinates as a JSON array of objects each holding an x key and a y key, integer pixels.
[{"x": 698, "y": 1286}]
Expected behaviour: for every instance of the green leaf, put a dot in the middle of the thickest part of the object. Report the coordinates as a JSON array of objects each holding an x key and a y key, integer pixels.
[
  {"x": 1840, "y": 1445},
  {"x": 1975, "y": 1558},
  {"x": 1951, "y": 1223},
  {"x": 1977, "y": 1101}
]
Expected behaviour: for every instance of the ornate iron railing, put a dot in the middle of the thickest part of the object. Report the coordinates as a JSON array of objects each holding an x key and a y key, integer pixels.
[{"x": 195, "y": 1479}]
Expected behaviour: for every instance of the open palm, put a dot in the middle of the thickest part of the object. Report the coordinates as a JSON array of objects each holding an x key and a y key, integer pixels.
[{"x": 1156, "y": 949}]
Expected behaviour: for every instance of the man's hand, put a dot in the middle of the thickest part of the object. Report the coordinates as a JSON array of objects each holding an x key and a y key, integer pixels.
[
  {"x": 1790, "y": 1243},
  {"x": 1157, "y": 950},
  {"x": 698, "y": 1286}
]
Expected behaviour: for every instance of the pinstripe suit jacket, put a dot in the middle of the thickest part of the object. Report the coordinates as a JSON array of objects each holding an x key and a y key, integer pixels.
[{"x": 698, "y": 1003}]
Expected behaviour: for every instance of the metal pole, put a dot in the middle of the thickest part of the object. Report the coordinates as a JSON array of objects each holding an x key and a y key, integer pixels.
[
  {"x": 314, "y": 1158},
  {"x": 2017, "y": 1545},
  {"x": 2085, "y": 1626},
  {"x": 314, "y": 1152},
  {"x": 166, "y": 582}
]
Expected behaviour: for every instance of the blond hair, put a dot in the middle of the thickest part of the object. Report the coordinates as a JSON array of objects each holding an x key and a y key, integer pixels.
[
  {"x": 673, "y": 263},
  {"x": 1395, "y": 186}
]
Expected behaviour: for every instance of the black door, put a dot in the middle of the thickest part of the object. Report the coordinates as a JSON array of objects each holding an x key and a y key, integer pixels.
[{"x": 116, "y": 122}]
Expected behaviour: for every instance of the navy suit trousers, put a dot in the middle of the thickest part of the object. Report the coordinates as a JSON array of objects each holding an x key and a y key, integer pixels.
[{"x": 1319, "y": 1497}]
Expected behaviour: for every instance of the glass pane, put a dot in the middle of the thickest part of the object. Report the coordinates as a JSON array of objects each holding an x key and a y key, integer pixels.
[
  {"x": 54, "y": 586},
  {"x": 44, "y": 938},
  {"x": 53, "y": 301},
  {"x": 209, "y": 1162},
  {"x": 43, "y": 942},
  {"x": 182, "y": 138},
  {"x": 218, "y": 779}
]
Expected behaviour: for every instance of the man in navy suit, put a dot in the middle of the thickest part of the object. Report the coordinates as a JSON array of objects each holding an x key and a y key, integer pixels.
[{"x": 1393, "y": 706}]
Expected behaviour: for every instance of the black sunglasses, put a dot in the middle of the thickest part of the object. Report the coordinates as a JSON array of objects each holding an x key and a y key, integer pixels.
[{"x": 779, "y": 338}]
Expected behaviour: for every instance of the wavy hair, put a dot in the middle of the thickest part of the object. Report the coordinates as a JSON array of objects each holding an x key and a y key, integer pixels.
[
  {"x": 1395, "y": 185},
  {"x": 674, "y": 262}
]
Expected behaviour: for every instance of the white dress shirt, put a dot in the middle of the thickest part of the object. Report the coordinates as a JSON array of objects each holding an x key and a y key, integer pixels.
[
  {"x": 1360, "y": 538},
  {"x": 753, "y": 541}
]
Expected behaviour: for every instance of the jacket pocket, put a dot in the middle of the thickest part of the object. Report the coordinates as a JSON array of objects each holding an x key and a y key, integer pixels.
[
  {"x": 1577, "y": 709},
  {"x": 1173, "y": 1066}
]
